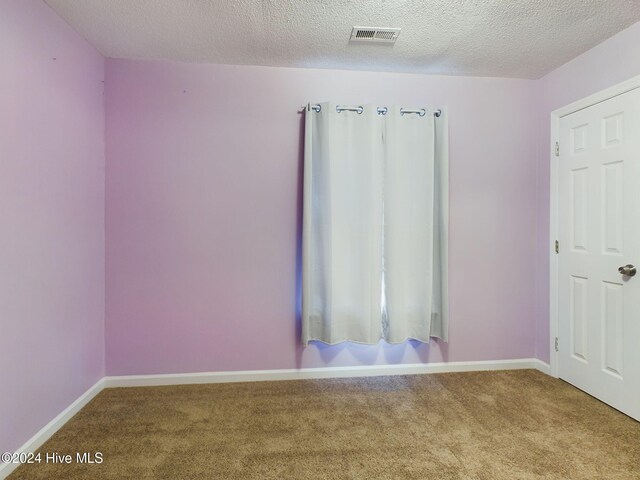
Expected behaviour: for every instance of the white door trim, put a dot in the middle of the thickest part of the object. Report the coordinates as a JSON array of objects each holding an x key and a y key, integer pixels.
[{"x": 556, "y": 115}]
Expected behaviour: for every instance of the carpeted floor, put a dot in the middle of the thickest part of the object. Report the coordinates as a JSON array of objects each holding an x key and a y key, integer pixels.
[{"x": 486, "y": 425}]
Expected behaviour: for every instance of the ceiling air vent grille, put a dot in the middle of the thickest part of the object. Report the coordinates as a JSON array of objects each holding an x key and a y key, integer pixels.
[{"x": 374, "y": 35}]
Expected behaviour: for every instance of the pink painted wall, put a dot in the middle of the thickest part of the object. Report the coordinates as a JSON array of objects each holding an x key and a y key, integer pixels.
[
  {"x": 203, "y": 196},
  {"x": 613, "y": 61},
  {"x": 52, "y": 218}
]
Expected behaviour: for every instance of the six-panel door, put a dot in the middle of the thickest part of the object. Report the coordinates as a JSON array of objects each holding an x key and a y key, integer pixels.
[{"x": 599, "y": 231}]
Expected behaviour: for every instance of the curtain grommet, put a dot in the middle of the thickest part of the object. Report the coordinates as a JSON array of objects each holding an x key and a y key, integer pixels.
[
  {"x": 359, "y": 109},
  {"x": 421, "y": 113}
]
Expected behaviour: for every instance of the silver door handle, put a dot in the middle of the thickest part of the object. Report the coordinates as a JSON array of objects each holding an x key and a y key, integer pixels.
[{"x": 628, "y": 270}]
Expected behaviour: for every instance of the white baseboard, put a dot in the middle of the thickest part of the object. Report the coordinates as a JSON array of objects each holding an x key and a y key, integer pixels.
[
  {"x": 325, "y": 372},
  {"x": 541, "y": 366},
  {"x": 53, "y": 426},
  {"x": 263, "y": 375}
]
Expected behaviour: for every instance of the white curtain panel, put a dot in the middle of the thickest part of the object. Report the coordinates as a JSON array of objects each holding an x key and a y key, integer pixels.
[
  {"x": 440, "y": 300},
  {"x": 375, "y": 226},
  {"x": 415, "y": 227},
  {"x": 342, "y": 226}
]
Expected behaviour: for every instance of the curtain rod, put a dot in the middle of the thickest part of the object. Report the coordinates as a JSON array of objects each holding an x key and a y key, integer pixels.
[{"x": 381, "y": 110}]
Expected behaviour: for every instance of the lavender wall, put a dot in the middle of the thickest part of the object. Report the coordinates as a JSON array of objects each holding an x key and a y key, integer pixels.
[
  {"x": 613, "y": 61},
  {"x": 203, "y": 196},
  {"x": 52, "y": 217}
]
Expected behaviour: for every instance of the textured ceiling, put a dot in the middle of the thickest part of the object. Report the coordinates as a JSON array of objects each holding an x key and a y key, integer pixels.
[{"x": 505, "y": 38}]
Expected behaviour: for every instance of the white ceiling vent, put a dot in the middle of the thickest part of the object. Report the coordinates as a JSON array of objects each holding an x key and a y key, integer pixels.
[{"x": 374, "y": 35}]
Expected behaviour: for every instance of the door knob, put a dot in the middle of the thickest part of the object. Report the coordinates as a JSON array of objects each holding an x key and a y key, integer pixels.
[{"x": 628, "y": 270}]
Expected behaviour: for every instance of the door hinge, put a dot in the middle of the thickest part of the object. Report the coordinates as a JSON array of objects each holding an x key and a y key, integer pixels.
[
  {"x": 557, "y": 149},
  {"x": 557, "y": 246},
  {"x": 556, "y": 344}
]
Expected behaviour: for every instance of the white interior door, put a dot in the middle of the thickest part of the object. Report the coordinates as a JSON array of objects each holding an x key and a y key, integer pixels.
[{"x": 599, "y": 232}]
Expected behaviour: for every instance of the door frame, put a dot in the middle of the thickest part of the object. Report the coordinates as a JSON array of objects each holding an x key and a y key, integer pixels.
[{"x": 598, "y": 97}]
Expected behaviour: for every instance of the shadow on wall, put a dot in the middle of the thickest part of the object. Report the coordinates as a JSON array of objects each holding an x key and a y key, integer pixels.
[{"x": 365, "y": 354}]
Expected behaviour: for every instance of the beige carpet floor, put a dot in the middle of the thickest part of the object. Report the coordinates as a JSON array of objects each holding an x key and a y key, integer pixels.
[{"x": 486, "y": 425}]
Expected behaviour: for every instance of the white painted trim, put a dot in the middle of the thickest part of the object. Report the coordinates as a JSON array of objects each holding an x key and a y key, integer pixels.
[
  {"x": 53, "y": 426},
  {"x": 541, "y": 366},
  {"x": 263, "y": 375},
  {"x": 325, "y": 372},
  {"x": 553, "y": 236},
  {"x": 556, "y": 115}
]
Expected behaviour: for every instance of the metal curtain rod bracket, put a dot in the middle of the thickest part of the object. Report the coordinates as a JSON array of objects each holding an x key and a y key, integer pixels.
[{"x": 381, "y": 110}]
